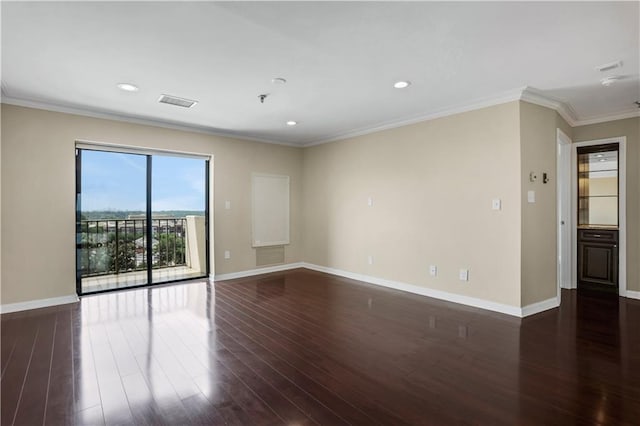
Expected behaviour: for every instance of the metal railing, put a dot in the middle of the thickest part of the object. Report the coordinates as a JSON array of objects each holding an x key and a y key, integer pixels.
[{"x": 116, "y": 246}]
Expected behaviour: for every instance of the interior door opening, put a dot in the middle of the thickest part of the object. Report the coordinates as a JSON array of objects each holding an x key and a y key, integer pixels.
[
  {"x": 598, "y": 217},
  {"x": 141, "y": 219}
]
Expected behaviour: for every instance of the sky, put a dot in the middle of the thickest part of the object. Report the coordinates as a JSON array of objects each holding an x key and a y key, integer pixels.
[{"x": 116, "y": 182}]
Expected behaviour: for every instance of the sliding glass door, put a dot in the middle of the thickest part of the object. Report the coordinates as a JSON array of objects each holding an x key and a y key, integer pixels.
[
  {"x": 178, "y": 205},
  {"x": 140, "y": 219}
]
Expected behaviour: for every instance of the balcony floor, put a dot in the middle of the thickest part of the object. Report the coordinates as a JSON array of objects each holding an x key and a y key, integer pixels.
[{"x": 132, "y": 279}]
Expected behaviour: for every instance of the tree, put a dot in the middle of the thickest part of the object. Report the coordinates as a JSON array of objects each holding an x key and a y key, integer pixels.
[
  {"x": 122, "y": 253},
  {"x": 169, "y": 251}
]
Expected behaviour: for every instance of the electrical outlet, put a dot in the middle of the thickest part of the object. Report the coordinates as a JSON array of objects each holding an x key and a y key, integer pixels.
[
  {"x": 464, "y": 275},
  {"x": 227, "y": 254},
  {"x": 370, "y": 260},
  {"x": 227, "y": 205},
  {"x": 370, "y": 202},
  {"x": 433, "y": 270}
]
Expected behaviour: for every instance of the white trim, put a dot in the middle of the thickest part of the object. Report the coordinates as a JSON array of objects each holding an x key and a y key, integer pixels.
[
  {"x": 563, "y": 189},
  {"x": 606, "y": 118},
  {"x": 258, "y": 271},
  {"x": 527, "y": 94},
  {"x": 424, "y": 291},
  {"x": 622, "y": 207},
  {"x": 36, "y": 304},
  {"x": 502, "y": 98},
  {"x": 138, "y": 150},
  {"x": 108, "y": 115},
  {"x": 632, "y": 294},
  {"x": 534, "y": 96},
  {"x": 536, "y": 308}
]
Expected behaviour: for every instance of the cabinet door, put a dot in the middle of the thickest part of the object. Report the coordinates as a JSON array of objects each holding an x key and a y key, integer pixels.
[{"x": 598, "y": 265}]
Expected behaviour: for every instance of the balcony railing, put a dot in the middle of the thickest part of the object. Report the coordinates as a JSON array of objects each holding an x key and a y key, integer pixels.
[{"x": 116, "y": 246}]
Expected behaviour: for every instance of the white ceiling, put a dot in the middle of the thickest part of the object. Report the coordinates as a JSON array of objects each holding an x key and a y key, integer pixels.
[{"x": 340, "y": 60}]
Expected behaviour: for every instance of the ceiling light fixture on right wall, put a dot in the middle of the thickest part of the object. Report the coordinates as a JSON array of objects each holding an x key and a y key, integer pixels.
[
  {"x": 608, "y": 81},
  {"x": 401, "y": 84}
]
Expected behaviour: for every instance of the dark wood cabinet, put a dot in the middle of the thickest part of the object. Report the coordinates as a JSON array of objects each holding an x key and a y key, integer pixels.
[{"x": 598, "y": 259}]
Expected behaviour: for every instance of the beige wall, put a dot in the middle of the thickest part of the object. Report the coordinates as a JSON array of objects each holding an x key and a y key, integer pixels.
[
  {"x": 538, "y": 139},
  {"x": 432, "y": 185},
  {"x": 38, "y": 242},
  {"x": 631, "y": 129}
]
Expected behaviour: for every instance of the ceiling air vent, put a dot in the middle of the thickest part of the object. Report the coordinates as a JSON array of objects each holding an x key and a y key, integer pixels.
[
  {"x": 174, "y": 100},
  {"x": 610, "y": 66}
]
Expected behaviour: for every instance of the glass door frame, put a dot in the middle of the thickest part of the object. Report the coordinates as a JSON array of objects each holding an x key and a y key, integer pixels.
[{"x": 148, "y": 153}]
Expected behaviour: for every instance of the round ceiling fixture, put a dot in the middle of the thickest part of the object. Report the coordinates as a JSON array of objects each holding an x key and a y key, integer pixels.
[
  {"x": 291, "y": 123},
  {"x": 128, "y": 87},
  {"x": 401, "y": 84},
  {"x": 278, "y": 80}
]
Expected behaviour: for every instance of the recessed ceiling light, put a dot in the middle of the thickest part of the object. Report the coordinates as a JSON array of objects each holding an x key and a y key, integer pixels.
[
  {"x": 128, "y": 87},
  {"x": 599, "y": 155},
  {"x": 401, "y": 84},
  {"x": 602, "y": 159},
  {"x": 278, "y": 80},
  {"x": 291, "y": 123}
]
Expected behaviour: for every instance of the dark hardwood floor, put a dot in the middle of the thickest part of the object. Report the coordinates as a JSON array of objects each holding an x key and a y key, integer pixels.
[{"x": 302, "y": 348}]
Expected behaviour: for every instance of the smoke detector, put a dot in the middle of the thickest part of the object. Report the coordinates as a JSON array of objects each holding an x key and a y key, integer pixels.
[{"x": 174, "y": 100}]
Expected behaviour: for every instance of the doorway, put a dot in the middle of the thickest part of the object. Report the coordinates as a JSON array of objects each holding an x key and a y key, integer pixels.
[
  {"x": 141, "y": 218},
  {"x": 598, "y": 207},
  {"x": 598, "y": 217}
]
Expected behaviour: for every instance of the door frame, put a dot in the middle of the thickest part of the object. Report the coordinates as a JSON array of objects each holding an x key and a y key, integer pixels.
[
  {"x": 131, "y": 149},
  {"x": 622, "y": 209},
  {"x": 565, "y": 270}
]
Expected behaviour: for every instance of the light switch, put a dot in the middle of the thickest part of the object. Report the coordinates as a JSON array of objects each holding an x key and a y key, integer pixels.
[
  {"x": 496, "y": 204},
  {"x": 370, "y": 202},
  {"x": 227, "y": 205},
  {"x": 227, "y": 254},
  {"x": 464, "y": 275},
  {"x": 433, "y": 270},
  {"x": 370, "y": 260},
  {"x": 531, "y": 196}
]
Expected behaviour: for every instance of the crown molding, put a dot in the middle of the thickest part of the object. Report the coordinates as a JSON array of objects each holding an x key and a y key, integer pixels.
[
  {"x": 534, "y": 96},
  {"x": 526, "y": 94},
  {"x": 107, "y": 115},
  {"x": 502, "y": 98},
  {"x": 604, "y": 119}
]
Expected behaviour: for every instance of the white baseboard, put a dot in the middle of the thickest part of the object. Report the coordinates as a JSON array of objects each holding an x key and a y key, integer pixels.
[
  {"x": 423, "y": 291},
  {"x": 257, "y": 271},
  {"x": 40, "y": 303},
  {"x": 632, "y": 294},
  {"x": 536, "y": 308}
]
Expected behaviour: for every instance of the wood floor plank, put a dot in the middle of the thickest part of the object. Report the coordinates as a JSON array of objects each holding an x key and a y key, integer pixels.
[
  {"x": 298, "y": 395},
  {"x": 113, "y": 398},
  {"x": 304, "y": 347},
  {"x": 32, "y": 405},
  {"x": 13, "y": 381},
  {"x": 60, "y": 407},
  {"x": 272, "y": 397},
  {"x": 335, "y": 377}
]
